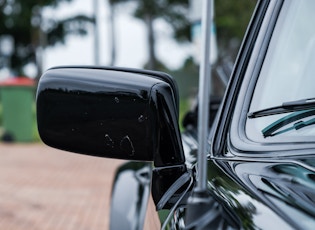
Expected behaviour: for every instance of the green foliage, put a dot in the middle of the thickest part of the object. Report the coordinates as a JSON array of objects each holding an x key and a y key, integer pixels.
[
  {"x": 232, "y": 18},
  {"x": 174, "y": 12},
  {"x": 22, "y": 20},
  {"x": 187, "y": 81},
  {"x": 156, "y": 8},
  {"x": 75, "y": 25}
]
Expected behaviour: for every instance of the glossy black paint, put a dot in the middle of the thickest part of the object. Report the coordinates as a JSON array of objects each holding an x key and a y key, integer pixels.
[
  {"x": 111, "y": 113},
  {"x": 256, "y": 186},
  {"x": 265, "y": 186},
  {"x": 253, "y": 185},
  {"x": 130, "y": 194},
  {"x": 163, "y": 179}
]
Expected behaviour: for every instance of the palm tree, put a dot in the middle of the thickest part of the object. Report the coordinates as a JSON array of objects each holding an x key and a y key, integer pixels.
[
  {"x": 172, "y": 11},
  {"x": 23, "y": 21}
]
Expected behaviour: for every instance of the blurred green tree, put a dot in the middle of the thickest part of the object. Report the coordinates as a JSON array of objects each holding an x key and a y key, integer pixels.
[
  {"x": 23, "y": 20},
  {"x": 232, "y": 18},
  {"x": 174, "y": 12}
]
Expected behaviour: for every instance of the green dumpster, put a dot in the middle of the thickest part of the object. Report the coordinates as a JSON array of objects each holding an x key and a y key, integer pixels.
[{"x": 17, "y": 97}]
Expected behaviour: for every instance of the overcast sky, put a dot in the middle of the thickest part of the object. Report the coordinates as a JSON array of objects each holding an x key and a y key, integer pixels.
[{"x": 131, "y": 40}]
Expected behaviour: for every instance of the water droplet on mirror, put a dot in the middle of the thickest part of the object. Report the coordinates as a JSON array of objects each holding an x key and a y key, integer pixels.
[
  {"x": 108, "y": 141},
  {"x": 141, "y": 119},
  {"x": 127, "y": 146}
]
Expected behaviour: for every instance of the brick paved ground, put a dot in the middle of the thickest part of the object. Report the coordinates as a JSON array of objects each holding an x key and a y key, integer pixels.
[{"x": 47, "y": 189}]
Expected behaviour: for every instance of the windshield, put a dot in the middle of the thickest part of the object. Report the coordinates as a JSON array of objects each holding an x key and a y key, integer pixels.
[{"x": 287, "y": 74}]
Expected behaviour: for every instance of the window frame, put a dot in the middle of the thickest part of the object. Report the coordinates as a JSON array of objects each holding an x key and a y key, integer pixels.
[{"x": 236, "y": 141}]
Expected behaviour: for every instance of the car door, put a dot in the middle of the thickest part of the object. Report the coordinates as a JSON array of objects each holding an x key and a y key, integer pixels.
[{"x": 263, "y": 146}]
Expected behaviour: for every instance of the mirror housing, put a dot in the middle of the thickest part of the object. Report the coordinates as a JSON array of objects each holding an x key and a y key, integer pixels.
[{"x": 111, "y": 112}]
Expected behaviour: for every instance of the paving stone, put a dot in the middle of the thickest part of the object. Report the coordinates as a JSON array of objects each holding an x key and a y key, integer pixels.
[{"x": 47, "y": 189}]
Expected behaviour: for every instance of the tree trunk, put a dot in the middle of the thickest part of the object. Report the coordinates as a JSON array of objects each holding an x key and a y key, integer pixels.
[
  {"x": 112, "y": 35},
  {"x": 96, "y": 34},
  {"x": 151, "y": 42}
]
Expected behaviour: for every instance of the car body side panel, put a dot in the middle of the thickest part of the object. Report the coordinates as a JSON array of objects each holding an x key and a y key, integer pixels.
[
  {"x": 233, "y": 181},
  {"x": 259, "y": 188},
  {"x": 242, "y": 199},
  {"x": 130, "y": 194},
  {"x": 243, "y": 206},
  {"x": 252, "y": 192}
]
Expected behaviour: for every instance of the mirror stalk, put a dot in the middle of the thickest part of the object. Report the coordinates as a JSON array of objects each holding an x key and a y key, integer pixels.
[{"x": 201, "y": 200}]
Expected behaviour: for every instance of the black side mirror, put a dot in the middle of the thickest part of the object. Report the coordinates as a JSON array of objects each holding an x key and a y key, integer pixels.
[{"x": 111, "y": 112}]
